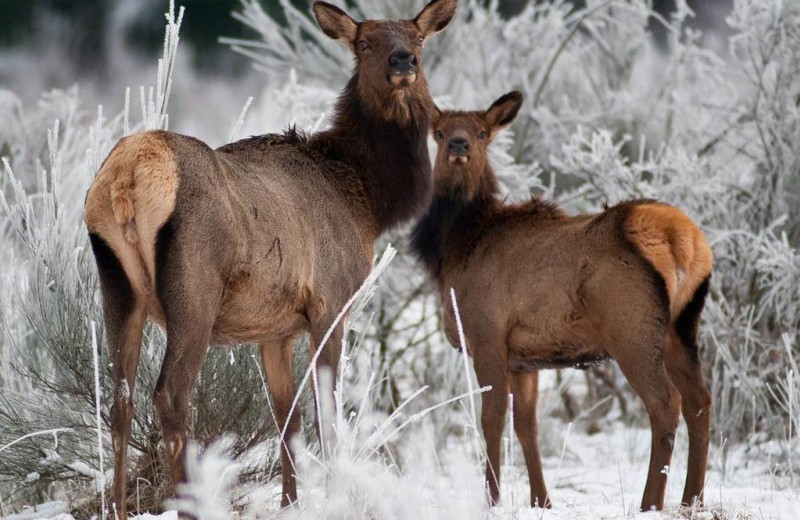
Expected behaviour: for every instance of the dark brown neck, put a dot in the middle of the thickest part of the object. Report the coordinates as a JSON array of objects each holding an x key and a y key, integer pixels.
[
  {"x": 451, "y": 214},
  {"x": 455, "y": 222},
  {"x": 391, "y": 158}
]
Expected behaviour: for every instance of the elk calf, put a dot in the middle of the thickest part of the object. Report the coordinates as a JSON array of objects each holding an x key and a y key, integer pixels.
[
  {"x": 262, "y": 239},
  {"x": 539, "y": 289}
]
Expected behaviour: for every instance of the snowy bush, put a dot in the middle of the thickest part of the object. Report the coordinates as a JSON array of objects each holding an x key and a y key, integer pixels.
[{"x": 607, "y": 117}]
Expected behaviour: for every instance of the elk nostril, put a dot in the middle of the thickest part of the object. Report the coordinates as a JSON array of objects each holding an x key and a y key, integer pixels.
[
  {"x": 459, "y": 144},
  {"x": 400, "y": 58}
]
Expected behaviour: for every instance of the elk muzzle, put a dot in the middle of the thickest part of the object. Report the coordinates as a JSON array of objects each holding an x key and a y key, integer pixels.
[
  {"x": 403, "y": 64},
  {"x": 458, "y": 150}
]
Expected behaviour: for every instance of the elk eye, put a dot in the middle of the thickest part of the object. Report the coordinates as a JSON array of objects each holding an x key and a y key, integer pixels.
[
  {"x": 420, "y": 41},
  {"x": 439, "y": 135},
  {"x": 481, "y": 135},
  {"x": 363, "y": 45}
]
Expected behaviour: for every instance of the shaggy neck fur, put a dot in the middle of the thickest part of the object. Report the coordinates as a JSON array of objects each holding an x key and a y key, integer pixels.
[
  {"x": 451, "y": 212},
  {"x": 387, "y": 148},
  {"x": 455, "y": 222}
]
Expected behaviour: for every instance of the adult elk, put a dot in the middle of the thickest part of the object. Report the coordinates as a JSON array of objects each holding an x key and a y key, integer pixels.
[
  {"x": 539, "y": 289},
  {"x": 262, "y": 239}
]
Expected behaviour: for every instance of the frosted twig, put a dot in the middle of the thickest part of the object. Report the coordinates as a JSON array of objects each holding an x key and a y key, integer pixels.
[
  {"x": 462, "y": 341},
  {"x": 428, "y": 410},
  {"x": 54, "y": 431},
  {"x": 97, "y": 390},
  {"x": 240, "y": 120}
]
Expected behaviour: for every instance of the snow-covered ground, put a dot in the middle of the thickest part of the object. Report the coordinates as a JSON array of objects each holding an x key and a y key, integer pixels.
[{"x": 600, "y": 476}]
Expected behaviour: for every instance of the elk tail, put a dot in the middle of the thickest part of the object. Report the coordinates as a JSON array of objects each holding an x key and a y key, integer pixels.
[
  {"x": 122, "y": 201},
  {"x": 132, "y": 196}
]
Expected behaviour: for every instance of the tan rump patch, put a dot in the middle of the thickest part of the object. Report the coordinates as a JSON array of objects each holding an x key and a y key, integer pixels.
[
  {"x": 131, "y": 197},
  {"x": 674, "y": 245}
]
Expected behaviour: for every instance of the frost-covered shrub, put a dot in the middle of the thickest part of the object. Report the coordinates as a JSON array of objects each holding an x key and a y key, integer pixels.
[{"x": 608, "y": 117}]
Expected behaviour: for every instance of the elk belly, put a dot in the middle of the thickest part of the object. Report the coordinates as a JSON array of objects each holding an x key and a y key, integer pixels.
[
  {"x": 563, "y": 343},
  {"x": 263, "y": 301}
]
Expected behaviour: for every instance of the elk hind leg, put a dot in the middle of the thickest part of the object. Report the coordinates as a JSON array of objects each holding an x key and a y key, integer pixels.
[
  {"x": 645, "y": 371},
  {"x": 190, "y": 299},
  {"x": 187, "y": 345},
  {"x": 685, "y": 370},
  {"x": 124, "y": 315}
]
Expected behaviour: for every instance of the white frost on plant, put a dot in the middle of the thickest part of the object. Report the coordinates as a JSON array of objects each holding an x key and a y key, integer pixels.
[
  {"x": 123, "y": 391},
  {"x": 607, "y": 117},
  {"x": 210, "y": 476}
]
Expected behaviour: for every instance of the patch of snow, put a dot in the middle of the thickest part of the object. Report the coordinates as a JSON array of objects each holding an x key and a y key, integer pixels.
[
  {"x": 49, "y": 510},
  {"x": 597, "y": 477},
  {"x": 169, "y": 515},
  {"x": 123, "y": 391},
  {"x": 81, "y": 468}
]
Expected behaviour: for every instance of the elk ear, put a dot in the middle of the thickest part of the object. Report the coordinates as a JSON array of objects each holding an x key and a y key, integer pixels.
[
  {"x": 336, "y": 23},
  {"x": 503, "y": 111},
  {"x": 435, "y": 16},
  {"x": 436, "y": 113}
]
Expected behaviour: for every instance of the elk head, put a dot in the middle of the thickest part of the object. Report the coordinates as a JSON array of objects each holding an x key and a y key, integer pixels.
[
  {"x": 463, "y": 139},
  {"x": 388, "y": 74}
]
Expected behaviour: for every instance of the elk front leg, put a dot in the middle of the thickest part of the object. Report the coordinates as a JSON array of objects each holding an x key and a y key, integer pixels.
[
  {"x": 277, "y": 360},
  {"x": 491, "y": 369},
  {"x": 328, "y": 360},
  {"x": 493, "y": 416},
  {"x": 525, "y": 389},
  {"x": 490, "y": 362}
]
